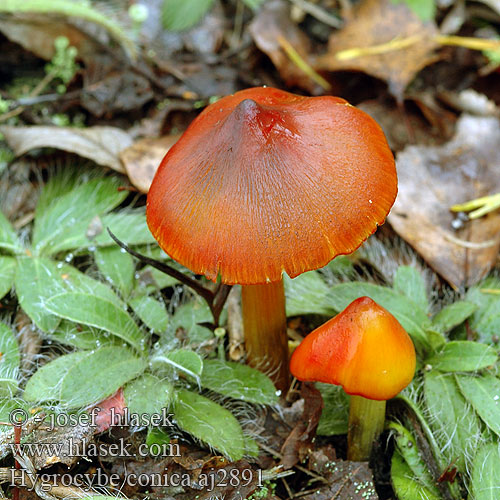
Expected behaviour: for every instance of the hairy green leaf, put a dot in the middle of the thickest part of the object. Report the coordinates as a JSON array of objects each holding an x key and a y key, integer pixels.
[
  {"x": 7, "y": 274},
  {"x": 63, "y": 225},
  {"x": 151, "y": 312},
  {"x": 45, "y": 384},
  {"x": 483, "y": 393},
  {"x": 9, "y": 361},
  {"x": 335, "y": 415},
  {"x": 210, "y": 423},
  {"x": 8, "y": 237},
  {"x": 39, "y": 279},
  {"x": 148, "y": 395},
  {"x": 453, "y": 315},
  {"x": 97, "y": 312},
  {"x": 463, "y": 356},
  {"x": 238, "y": 381},
  {"x": 178, "y": 360},
  {"x": 407, "y": 448},
  {"x": 306, "y": 294},
  {"x": 409, "y": 282},
  {"x": 404, "y": 483},
  {"x": 455, "y": 424},
  {"x": 117, "y": 266},
  {"x": 103, "y": 371},
  {"x": 485, "y": 482}
]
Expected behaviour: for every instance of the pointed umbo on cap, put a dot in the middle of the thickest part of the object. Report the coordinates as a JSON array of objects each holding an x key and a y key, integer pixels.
[
  {"x": 264, "y": 182},
  {"x": 364, "y": 349}
]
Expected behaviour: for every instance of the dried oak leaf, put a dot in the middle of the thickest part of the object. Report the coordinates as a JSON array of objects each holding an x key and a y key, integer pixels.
[
  {"x": 271, "y": 24},
  {"x": 431, "y": 179},
  {"x": 143, "y": 158},
  {"x": 378, "y": 22},
  {"x": 99, "y": 144}
]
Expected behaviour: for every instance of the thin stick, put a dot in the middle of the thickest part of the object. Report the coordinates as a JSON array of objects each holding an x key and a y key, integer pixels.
[{"x": 215, "y": 300}]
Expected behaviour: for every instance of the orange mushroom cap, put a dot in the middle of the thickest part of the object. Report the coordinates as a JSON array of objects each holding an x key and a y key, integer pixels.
[
  {"x": 264, "y": 182},
  {"x": 364, "y": 349}
]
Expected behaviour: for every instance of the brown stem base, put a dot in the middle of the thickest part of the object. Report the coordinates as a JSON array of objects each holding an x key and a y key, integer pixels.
[{"x": 264, "y": 322}]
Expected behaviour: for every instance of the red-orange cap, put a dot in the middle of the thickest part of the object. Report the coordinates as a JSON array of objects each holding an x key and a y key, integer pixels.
[
  {"x": 264, "y": 182},
  {"x": 364, "y": 349}
]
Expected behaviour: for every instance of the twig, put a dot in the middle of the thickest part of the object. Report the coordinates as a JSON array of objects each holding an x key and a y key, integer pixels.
[
  {"x": 215, "y": 300},
  {"x": 298, "y": 467},
  {"x": 317, "y": 12}
]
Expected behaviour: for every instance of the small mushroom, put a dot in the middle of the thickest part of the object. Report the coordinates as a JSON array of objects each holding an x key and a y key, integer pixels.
[
  {"x": 366, "y": 351},
  {"x": 264, "y": 182}
]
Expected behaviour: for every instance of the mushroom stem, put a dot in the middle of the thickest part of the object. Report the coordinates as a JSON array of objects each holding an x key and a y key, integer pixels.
[
  {"x": 366, "y": 422},
  {"x": 264, "y": 323}
]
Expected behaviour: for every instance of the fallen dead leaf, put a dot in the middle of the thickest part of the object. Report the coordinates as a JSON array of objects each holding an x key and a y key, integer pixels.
[
  {"x": 37, "y": 34},
  {"x": 99, "y": 144},
  {"x": 431, "y": 180},
  {"x": 298, "y": 444},
  {"x": 271, "y": 24},
  {"x": 143, "y": 158},
  {"x": 377, "y": 23}
]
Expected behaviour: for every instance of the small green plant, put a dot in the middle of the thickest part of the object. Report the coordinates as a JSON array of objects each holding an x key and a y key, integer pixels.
[
  {"x": 62, "y": 66},
  {"x": 424, "y": 9},
  {"x": 268, "y": 488}
]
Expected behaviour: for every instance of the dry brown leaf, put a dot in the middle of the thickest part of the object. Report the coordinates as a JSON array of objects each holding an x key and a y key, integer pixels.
[
  {"x": 431, "y": 179},
  {"x": 99, "y": 144},
  {"x": 37, "y": 34},
  {"x": 378, "y": 22},
  {"x": 272, "y": 23},
  {"x": 143, "y": 158}
]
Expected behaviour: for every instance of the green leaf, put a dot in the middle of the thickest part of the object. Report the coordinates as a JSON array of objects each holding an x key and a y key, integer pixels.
[
  {"x": 7, "y": 274},
  {"x": 104, "y": 371},
  {"x": 81, "y": 336},
  {"x": 45, "y": 383},
  {"x": 463, "y": 356},
  {"x": 413, "y": 319},
  {"x": 97, "y": 312},
  {"x": 453, "y": 315},
  {"x": 306, "y": 294},
  {"x": 486, "y": 319},
  {"x": 210, "y": 423},
  {"x": 424, "y": 9},
  {"x": 117, "y": 266},
  {"x": 151, "y": 312},
  {"x": 483, "y": 393},
  {"x": 238, "y": 381},
  {"x": 8, "y": 237},
  {"x": 179, "y": 15},
  {"x": 63, "y": 224},
  {"x": 407, "y": 448},
  {"x": 38, "y": 279},
  {"x": 9, "y": 361},
  {"x": 188, "y": 317},
  {"x": 409, "y": 282},
  {"x": 335, "y": 415},
  {"x": 404, "y": 483},
  {"x": 148, "y": 395},
  {"x": 485, "y": 481},
  {"x": 183, "y": 360},
  {"x": 151, "y": 280},
  {"x": 128, "y": 226},
  {"x": 456, "y": 427}
]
